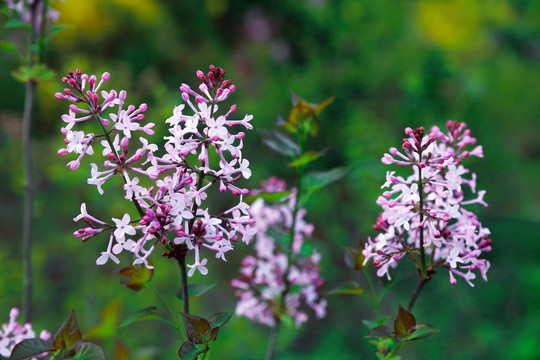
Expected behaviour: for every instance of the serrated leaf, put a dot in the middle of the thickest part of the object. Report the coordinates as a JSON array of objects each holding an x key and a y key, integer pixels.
[
  {"x": 194, "y": 291},
  {"x": 421, "y": 331},
  {"x": 349, "y": 287},
  {"x": 269, "y": 197},
  {"x": 305, "y": 159},
  {"x": 197, "y": 327},
  {"x": 89, "y": 351},
  {"x": 15, "y": 23},
  {"x": 280, "y": 143},
  {"x": 404, "y": 323},
  {"x": 190, "y": 351},
  {"x": 380, "y": 331},
  {"x": 68, "y": 335},
  {"x": 139, "y": 275},
  {"x": 8, "y": 46},
  {"x": 219, "y": 319},
  {"x": 30, "y": 347},
  {"x": 144, "y": 314}
]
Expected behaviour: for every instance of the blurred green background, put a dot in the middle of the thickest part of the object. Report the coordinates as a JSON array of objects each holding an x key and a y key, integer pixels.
[{"x": 389, "y": 64}]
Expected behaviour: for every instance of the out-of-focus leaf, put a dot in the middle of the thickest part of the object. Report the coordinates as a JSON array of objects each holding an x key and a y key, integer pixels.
[
  {"x": 305, "y": 158},
  {"x": 36, "y": 73},
  {"x": 306, "y": 249},
  {"x": 139, "y": 275},
  {"x": 120, "y": 350},
  {"x": 280, "y": 143},
  {"x": 302, "y": 120},
  {"x": 68, "y": 335},
  {"x": 349, "y": 287},
  {"x": 219, "y": 319},
  {"x": 89, "y": 351},
  {"x": 421, "y": 331},
  {"x": 15, "y": 23},
  {"x": 353, "y": 257},
  {"x": 190, "y": 351},
  {"x": 8, "y": 46},
  {"x": 320, "y": 106},
  {"x": 404, "y": 323},
  {"x": 107, "y": 327},
  {"x": 369, "y": 324},
  {"x": 314, "y": 181},
  {"x": 270, "y": 197},
  {"x": 144, "y": 314},
  {"x": 197, "y": 327},
  {"x": 30, "y": 347},
  {"x": 380, "y": 331},
  {"x": 194, "y": 291}
]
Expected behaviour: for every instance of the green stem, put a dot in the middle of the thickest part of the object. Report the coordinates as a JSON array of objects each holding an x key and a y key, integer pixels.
[
  {"x": 375, "y": 301},
  {"x": 272, "y": 342},
  {"x": 158, "y": 294},
  {"x": 29, "y": 188}
]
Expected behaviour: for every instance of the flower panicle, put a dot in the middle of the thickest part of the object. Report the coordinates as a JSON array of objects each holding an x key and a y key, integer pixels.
[{"x": 428, "y": 209}]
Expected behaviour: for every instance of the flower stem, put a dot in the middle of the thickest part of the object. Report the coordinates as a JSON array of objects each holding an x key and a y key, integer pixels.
[
  {"x": 29, "y": 188},
  {"x": 272, "y": 342},
  {"x": 181, "y": 258},
  {"x": 421, "y": 229},
  {"x": 419, "y": 286}
]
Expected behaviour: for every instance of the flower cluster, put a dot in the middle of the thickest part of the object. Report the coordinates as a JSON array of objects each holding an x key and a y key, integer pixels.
[
  {"x": 201, "y": 151},
  {"x": 277, "y": 281},
  {"x": 424, "y": 215},
  {"x": 13, "y": 333}
]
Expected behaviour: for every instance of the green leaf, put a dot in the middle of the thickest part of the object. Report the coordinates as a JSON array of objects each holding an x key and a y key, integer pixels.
[
  {"x": 16, "y": 23},
  {"x": 302, "y": 119},
  {"x": 190, "y": 351},
  {"x": 354, "y": 258},
  {"x": 320, "y": 106},
  {"x": 68, "y": 335},
  {"x": 144, "y": 314},
  {"x": 197, "y": 327},
  {"x": 305, "y": 159},
  {"x": 37, "y": 73},
  {"x": 89, "y": 351},
  {"x": 8, "y": 46},
  {"x": 194, "y": 291},
  {"x": 219, "y": 319},
  {"x": 314, "y": 181},
  {"x": 269, "y": 197},
  {"x": 350, "y": 287},
  {"x": 404, "y": 322},
  {"x": 421, "y": 331},
  {"x": 380, "y": 331},
  {"x": 369, "y": 324},
  {"x": 139, "y": 275},
  {"x": 30, "y": 347},
  {"x": 280, "y": 143},
  {"x": 306, "y": 249}
]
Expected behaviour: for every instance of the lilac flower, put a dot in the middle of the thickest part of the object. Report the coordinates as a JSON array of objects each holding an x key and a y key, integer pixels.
[
  {"x": 451, "y": 236},
  {"x": 13, "y": 333},
  {"x": 265, "y": 281},
  {"x": 172, "y": 208}
]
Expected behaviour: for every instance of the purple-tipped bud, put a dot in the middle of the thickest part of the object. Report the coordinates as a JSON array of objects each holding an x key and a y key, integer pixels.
[
  {"x": 105, "y": 76},
  {"x": 185, "y": 97},
  {"x": 124, "y": 142},
  {"x": 95, "y": 97},
  {"x": 62, "y": 152},
  {"x": 122, "y": 95},
  {"x": 59, "y": 96},
  {"x": 92, "y": 81},
  {"x": 232, "y": 88}
]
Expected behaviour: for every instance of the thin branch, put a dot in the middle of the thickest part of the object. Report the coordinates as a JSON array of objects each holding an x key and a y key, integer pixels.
[{"x": 419, "y": 286}]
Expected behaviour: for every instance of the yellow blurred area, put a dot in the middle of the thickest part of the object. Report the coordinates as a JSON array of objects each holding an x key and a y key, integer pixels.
[
  {"x": 94, "y": 18},
  {"x": 461, "y": 24}
]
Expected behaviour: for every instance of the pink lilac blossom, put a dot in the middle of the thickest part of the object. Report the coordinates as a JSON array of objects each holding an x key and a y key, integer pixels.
[
  {"x": 181, "y": 174},
  {"x": 268, "y": 286},
  {"x": 452, "y": 236},
  {"x": 13, "y": 333}
]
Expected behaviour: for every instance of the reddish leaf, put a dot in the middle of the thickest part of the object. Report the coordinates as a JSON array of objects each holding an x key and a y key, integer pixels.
[
  {"x": 68, "y": 335},
  {"x": 404, "y": 322},
  {"x": 197, "y": 327},
  {"x": 139, "y": 275}
]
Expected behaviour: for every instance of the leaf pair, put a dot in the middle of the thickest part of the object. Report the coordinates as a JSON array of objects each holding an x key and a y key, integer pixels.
[
  {"x": 303, "y": 118},
  {"x": 405, "y": 328},
  {"x": 200, "y": 332},
  {"x": 66, "y": 344}
]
